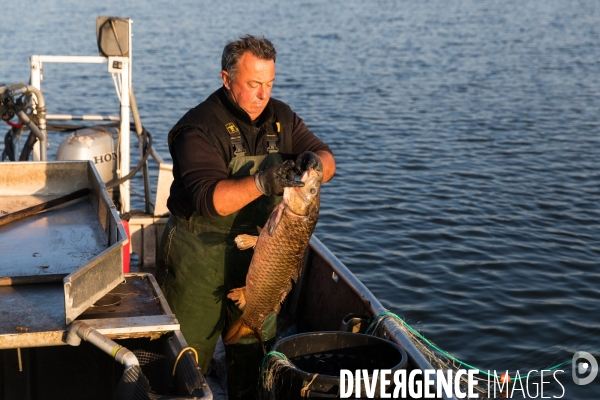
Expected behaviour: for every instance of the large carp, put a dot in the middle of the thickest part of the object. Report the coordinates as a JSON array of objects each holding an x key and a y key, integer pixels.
[{"x": 277, "y": 259}]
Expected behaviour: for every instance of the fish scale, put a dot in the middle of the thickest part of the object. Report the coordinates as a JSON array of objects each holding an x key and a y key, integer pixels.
[
  {"x": 277, "y": 258},
  {"x": 280, "y": 259}
]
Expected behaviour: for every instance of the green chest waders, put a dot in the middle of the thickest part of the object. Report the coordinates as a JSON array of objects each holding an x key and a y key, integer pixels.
[{"x": 201, "y": 264}]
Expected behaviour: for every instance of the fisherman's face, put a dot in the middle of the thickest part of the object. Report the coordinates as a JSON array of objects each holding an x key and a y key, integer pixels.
[{"x": 251, "y": 86}]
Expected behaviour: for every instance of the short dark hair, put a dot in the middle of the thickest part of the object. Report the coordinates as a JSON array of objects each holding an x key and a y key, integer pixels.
[{"x": 260, "y": 48}]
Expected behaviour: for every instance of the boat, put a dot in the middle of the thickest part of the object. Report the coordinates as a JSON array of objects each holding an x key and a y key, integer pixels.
[{"x": 127, "y": 309}]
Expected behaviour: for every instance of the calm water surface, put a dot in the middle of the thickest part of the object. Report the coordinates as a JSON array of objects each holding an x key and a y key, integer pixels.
[{"x": 466, "y": 135}]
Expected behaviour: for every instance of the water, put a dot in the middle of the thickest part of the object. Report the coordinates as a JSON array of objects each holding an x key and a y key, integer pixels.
[{"x": 466, "y": 136}]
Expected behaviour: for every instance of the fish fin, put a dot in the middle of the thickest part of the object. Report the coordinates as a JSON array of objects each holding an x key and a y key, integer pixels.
[
  {"x": 275, "y": 219},
  {"x": 296, "y": 272},
  {"x": 283, "y": 294},
  {"x": 244, "y": 242},
  {"x": 239, "y": 296},
  {"x": 258, "y": 336},
  {"x": 237, "y": 331},
  {"x": 259, "y": 229}
]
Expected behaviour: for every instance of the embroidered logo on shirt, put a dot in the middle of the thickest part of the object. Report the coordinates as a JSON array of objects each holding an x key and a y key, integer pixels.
[{"x": 232, "y": 129}]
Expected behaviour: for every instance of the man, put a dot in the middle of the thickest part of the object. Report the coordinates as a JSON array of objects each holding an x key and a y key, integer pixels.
[{"x": 229, "y": 171}]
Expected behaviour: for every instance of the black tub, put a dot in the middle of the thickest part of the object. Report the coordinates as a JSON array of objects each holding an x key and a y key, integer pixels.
[{"x": 326, "y": 354}]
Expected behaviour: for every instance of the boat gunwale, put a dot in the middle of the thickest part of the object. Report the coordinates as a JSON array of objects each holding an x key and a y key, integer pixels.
[{"x": 391, "y": 326}]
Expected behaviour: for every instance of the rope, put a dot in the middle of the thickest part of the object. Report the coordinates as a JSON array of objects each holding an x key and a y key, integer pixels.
[
  {"x": 387, "y": 314},
  {"x": 270, "y": 367},
  {"x": 181, "y": 353},
  {"x": 304, "y": 391},
  {"x": 266, "y": 357}
]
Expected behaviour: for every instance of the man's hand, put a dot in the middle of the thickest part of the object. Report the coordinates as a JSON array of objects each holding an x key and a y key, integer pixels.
[
  {"x": 272, "y": 180},
  {"x": 308, "y": 160}
]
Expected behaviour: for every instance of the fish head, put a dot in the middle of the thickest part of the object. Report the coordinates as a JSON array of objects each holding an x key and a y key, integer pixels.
[{"x": 303, "y": 200}]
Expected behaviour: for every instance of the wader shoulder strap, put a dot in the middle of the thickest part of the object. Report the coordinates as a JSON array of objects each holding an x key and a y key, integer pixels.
[
  {"x": 234, "y": 132},
  {"x": 273, "y": 128}
]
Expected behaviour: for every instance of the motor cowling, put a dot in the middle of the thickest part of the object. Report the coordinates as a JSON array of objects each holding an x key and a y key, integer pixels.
[{"x": 95, "y": 144}]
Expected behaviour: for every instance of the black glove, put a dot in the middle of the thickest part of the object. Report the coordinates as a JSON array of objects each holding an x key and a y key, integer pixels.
[
  {"x": 272, "y": 180},
  {"x": 308, "y": 160}
]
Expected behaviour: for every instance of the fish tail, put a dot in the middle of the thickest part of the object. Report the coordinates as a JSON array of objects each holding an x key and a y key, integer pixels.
[{"x": 236, "y": 332}]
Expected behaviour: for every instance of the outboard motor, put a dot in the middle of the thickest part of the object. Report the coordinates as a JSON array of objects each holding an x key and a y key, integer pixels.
[
  {"x": 94, "y": 143},
  {"x": 97, "y": 144}
]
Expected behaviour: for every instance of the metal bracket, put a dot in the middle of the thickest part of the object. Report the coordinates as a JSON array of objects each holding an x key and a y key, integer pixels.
[{"x": 116, "y": 65}]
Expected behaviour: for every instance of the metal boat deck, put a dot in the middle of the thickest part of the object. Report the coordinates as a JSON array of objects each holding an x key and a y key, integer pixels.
[
  {"x": 58, "y": 241},
  {"x": 34, "y": 315},
  {"x": 79, "y": 243}
]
